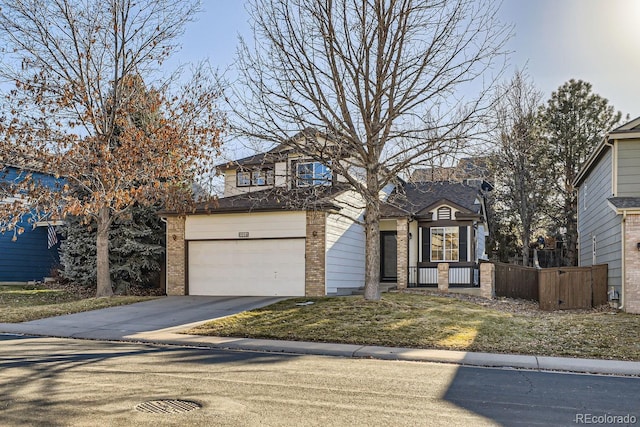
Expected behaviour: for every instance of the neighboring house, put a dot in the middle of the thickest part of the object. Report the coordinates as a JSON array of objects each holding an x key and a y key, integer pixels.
[
  {"x": 28, "y": 252},
  {"x": 285, "y": 226},
  {"x": 474, "y": 170},
  {"x": 609, "y": 212}
]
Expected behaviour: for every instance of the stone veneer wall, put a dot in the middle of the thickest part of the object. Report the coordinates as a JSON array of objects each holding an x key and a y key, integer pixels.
[
  {"x": 402, "y": 236},
  {"x": 632, "y": 264},
  {"x": 443, "y": 276},
  {"x": 487, "y": 280},
  {"x": 315, "y": 250},
  {"x": 176, "y": 256}
]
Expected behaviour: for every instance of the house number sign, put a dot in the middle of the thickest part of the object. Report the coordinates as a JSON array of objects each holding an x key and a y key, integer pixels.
[{"x": 243, "y": 234}]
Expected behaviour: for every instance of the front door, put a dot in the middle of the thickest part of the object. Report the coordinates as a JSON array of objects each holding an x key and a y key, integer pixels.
[{"x": 388, "y": 256}]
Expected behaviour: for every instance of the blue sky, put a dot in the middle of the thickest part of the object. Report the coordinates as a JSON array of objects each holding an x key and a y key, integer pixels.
[{"x": 594, "y": 40}]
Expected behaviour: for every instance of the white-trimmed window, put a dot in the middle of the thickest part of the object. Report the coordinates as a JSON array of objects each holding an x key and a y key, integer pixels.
[
  {"x": 445, "y": 243},
  {"x": 259, "y": 178},
  {"x": 243, "y": 178},
  {"x": 262, "y": 177},
  {"x": 313, "y": 173}
]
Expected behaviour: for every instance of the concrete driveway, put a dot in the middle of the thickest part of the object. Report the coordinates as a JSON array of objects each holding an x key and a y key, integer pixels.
[{"x": 127, "y": 321}]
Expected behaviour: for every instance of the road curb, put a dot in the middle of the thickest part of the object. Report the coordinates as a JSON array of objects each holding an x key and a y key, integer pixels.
[{"x": 492, "y": 360}]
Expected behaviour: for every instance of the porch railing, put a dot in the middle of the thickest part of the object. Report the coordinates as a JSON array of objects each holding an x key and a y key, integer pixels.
[{"x": 458, "y": 276}]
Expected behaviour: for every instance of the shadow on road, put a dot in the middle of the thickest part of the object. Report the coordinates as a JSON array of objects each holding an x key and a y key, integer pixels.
[
  {"x": 40, "y": 373},
  {"x": 522, "y": 398}
]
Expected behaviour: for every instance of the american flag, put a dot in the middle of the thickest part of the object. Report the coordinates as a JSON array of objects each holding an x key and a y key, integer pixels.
[{"x": 52, "y": 237}]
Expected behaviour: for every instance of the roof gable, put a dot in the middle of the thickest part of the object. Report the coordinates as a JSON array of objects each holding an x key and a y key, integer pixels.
[
  {"x": 419, "y": 198},
  {"x": 629, "y": 130},
  {"x": 632, "y": 126}
]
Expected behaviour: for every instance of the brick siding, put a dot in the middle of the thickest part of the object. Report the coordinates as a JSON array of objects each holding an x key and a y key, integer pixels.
[
  {"x": 176, "y": 268},
  {"x": 632, "y": 264},
  {"x": 402, "y": 227},
  {"x": 443, "y": 276},
  {"x": 487, "y": 280},
  {"x": 315, "y": 251}
]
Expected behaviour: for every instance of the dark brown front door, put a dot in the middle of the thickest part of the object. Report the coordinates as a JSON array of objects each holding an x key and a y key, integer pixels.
[{"x": 388, "y": 256}]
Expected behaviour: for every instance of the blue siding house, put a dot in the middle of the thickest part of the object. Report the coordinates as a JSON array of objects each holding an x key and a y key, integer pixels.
[{"x": 30, "y": 255}]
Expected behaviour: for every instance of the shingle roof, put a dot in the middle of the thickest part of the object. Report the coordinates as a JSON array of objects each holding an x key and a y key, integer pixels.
[
  {"x": 625, "y": 202},
  {"x": 412, "y": 198},
  {"x": 260, "y": 159},
  {"x": 276, "y": 199}
]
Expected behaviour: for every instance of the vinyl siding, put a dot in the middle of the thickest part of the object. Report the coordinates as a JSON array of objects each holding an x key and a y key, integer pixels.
[
  {"x": 28, "y": 258},
  {"x": 345, "y": 245},
  {"x": 596, "y": 218},
  {"x": 628, "y": 168}
]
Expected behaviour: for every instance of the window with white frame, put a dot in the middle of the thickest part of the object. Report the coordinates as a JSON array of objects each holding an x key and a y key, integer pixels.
[
  {"x": 312, "y": 173},
  {"x": 445, "y": 243},
  {"x": 243, "y": 178},
  {"x": 262, "y": 177},
  {"x": 258, "y": 177}
]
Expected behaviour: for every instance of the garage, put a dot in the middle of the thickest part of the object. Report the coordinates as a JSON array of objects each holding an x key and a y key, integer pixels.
[{"x": 261, "y": 267}]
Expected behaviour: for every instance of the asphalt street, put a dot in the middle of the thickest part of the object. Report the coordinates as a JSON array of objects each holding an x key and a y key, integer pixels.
[{"x": 65, "y": 382}]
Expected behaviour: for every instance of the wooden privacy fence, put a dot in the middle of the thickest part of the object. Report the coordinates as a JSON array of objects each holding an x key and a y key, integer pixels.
[
  {"x": 561, "y": 288},
  {"x": 516, "y": 281}
]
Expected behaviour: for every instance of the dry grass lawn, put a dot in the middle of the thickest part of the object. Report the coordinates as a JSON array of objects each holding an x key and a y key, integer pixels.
[
  {"x": 428, "y": 321},
  {"x": 24, "y": 303}
]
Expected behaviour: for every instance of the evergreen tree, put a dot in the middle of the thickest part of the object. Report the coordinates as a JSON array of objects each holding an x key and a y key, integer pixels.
[
  {"x": 575, "y": 121},
  {"x": 136, "y": 256}
]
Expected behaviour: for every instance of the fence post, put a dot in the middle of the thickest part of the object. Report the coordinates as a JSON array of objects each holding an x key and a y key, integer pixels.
[
  {"x": 443, "y": 276},
  {"x": 487, "y": 280}
]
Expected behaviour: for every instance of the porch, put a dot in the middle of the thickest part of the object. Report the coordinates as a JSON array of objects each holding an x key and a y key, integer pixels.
[{"x": 453, "y": 276}]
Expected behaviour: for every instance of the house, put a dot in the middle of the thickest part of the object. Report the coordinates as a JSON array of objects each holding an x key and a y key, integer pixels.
[
  {"x": 446, "y": 224},
  {"x": 287, "y": 225},
  {"x": 474, "y": 170},
  {"x": 29, "y": 251},
  {"x": 609, "y": 212}
]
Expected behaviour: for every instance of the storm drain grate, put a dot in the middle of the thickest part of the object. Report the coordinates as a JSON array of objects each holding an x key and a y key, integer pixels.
[{"x": 167, "y": 406}]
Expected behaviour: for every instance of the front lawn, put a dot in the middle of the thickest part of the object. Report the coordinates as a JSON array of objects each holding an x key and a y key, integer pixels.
[
  {"x": 23, "y": 303},
  {"x": 429, "y": 321}
]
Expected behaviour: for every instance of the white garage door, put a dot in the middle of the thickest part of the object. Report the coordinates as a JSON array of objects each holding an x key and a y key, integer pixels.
[{"x": 270, "y": 267}]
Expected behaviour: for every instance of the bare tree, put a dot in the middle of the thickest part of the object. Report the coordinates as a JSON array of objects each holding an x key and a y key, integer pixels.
[
  {"x": 387, "y": 81},
  {"x": 88, "y": 106},
  {"x": 521, "y": 162}
]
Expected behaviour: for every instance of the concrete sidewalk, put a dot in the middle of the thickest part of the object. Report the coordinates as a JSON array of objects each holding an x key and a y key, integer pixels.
[
  {"x": 565, "y": 364},
  {"x": 160, "y": 321}
]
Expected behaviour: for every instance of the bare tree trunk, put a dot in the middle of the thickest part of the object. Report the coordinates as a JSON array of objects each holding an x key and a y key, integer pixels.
[
  {"x": 571, "y": 258},
  {"x": 372, "y": 257},
  {"x": 103, "y": 276},
  {"x": 525, "y": 251}
]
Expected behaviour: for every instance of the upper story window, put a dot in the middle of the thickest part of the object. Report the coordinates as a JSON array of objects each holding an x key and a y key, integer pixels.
[
  {"x": 312, "y": 173},
  {"x": 260, "y": 177}
]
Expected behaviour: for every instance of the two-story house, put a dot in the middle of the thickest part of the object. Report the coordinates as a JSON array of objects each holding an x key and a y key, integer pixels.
[
  {"x": 288, "y": 225},
  {"x": 609, "y": 212}
]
